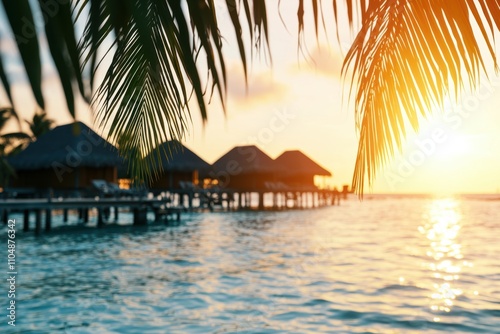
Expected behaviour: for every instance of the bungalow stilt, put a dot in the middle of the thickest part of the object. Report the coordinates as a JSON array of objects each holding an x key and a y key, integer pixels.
[
  {"x": 26, "y": 220},
  {"x": 38, "y": 221},
  {"x": 48, "y": 220}
]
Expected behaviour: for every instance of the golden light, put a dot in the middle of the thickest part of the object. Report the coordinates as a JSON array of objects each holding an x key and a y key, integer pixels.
[
  {"x": 445, "y": 252},
  {"x": 456, "y": 146}
]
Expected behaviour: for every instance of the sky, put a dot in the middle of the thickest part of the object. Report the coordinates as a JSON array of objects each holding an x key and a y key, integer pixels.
[{"x": 297, "y": 103}]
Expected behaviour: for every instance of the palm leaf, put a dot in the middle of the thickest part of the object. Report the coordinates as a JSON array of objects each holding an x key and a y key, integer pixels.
[
  {"x": 23, "y": 26},
  {"x": 40, "y": 124},
  {"x": 15, "y": 136},
  {"x": 407, "y": 58},
  {"x": 145, "y": 94},
  {"x": 6, "y": 114},
  {"x": 5, "y": 81},
  {"x": 59, "y": 30}
]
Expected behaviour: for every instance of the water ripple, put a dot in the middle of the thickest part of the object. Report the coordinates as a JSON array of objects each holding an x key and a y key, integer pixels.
[{"x": 392, "y": 265}]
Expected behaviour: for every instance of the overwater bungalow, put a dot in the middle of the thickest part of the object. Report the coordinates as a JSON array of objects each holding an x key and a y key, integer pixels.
[
  {"x": 298, "y": 170},
  {"x": 179, "y": 167},
  {"x": 69, "y": 157},
  {"x": 286, "y": 182},
  {"x": 245, "y": 168}
]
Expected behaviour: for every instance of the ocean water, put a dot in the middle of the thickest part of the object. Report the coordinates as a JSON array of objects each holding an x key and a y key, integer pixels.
[{"x": 385, "y": 265}]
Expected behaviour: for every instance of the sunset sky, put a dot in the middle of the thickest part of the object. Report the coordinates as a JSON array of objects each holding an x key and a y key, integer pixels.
[{"x": 296, "y": 103}]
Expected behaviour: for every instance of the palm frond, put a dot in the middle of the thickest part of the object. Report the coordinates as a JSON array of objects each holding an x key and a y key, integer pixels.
[
  {"x": 23, "y": 26},
  {"x": 154, "y": 70},
  {"x": 407, "y": 58},
  {"x": 40, "y": 124},
  {"x": 5, "y": 82},
  {"x": 6, "y": 114},
  {"x": 144, "y": 94},
  {"x": 59, "y": 30},
  {"x": 10, "y": 144},
  {"x": 15, "y": 136}
]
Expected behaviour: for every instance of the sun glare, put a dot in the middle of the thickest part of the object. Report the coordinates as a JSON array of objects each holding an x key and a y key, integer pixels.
[
  {"x": 456, "y": 146},
  {"x": 445, "y": 252}
]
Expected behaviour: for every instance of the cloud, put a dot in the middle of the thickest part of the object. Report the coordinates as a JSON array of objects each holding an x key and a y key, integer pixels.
[
  {"x": 13, "y": 63},
  {"x": 262, "y": 87},
  {"x": 322, "y": 60}
]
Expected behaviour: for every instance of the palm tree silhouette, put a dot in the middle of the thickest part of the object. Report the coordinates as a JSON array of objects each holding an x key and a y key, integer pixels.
[
  {"x": 408, "y": 55},
  {"x": 40, "y": 124},
  {"x": 10, "y": 144}
]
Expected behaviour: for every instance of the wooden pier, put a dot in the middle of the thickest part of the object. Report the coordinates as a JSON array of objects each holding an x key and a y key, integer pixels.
[
  {"x": 138, "y": 206},
  {"x": 252, "y": 199},
  {"x": 164, "y": 204}
]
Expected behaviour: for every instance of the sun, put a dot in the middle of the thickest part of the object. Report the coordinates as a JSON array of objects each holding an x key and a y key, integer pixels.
[{"x": 455, "y": 146}]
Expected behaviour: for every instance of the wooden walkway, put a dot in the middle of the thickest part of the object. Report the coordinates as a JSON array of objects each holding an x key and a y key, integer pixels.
[
  {"x": 139, "y": 206},
  {"x": 165, "y": 204},
  {"x": 273, "y": 199}
]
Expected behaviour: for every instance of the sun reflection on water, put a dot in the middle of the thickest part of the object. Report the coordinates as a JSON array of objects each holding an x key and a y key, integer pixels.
[{"x": 442, "y": 231}]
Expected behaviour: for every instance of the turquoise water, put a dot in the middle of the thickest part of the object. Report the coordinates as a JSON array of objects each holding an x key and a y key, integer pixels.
[{"x": 386, "y": 265}]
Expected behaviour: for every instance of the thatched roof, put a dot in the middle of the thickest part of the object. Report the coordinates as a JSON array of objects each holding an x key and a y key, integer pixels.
[
  {"x": 176, "y": 157},
  {"x": 295, "y": 163},
  {"x": 72, "y": 145},
  {"x": 247, "y": 160}
]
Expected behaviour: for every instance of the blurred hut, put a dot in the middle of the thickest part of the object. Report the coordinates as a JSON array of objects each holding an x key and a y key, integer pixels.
[
  {"x": 178, "y": 166},
  {"x": 244, "y": 168},
  {"x": 67, "y": 157},
  {"x": 298, "y": 170}
]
